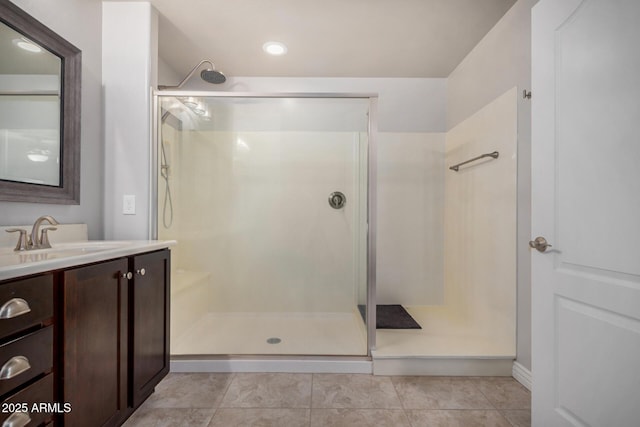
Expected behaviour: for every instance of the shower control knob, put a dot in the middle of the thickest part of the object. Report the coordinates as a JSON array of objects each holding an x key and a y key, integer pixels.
[
  {"x": 141, "y": 272},
  {"x": 337, "y": 200}
]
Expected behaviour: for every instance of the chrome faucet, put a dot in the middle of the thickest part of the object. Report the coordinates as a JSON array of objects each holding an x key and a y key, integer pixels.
[
  {"x": 34, "y": 242},
  {"x": 41, "y": 242}
]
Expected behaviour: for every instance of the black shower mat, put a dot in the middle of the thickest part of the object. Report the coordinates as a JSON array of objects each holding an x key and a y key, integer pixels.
[{"x": 392, "y": 316}]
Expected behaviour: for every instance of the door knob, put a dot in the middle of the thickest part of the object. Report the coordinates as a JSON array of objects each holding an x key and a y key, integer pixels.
[{"x": 540, "y": 244}]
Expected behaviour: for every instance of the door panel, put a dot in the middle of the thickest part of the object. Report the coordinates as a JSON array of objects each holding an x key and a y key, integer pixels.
[{"x": 585, "y": 186}]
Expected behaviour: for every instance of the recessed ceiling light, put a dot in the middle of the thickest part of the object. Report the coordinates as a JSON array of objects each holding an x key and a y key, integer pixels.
[
  {"x": 27, "y": 45},
  {"x": 274, "y": 48}
]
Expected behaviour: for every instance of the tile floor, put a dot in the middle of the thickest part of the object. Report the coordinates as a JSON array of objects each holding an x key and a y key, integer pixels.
[{"x": 350, "y": 400}]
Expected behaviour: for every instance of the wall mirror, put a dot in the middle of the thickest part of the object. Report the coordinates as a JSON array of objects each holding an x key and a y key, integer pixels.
[{"x": 40, "y": 85}]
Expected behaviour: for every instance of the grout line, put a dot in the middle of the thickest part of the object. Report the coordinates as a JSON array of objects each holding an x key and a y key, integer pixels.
[
  {"x": 226, "y": 390},
  {"x": 404, "y": 410},
  {"x": 473, "y": 381},
  {"x": 215, "y": 411},
  {"x": 311, "y": 398},
  {"x": 507, "y": 419}
]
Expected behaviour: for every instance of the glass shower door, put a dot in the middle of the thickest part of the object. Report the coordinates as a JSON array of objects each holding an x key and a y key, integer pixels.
[{"x": 267, "y": 198}]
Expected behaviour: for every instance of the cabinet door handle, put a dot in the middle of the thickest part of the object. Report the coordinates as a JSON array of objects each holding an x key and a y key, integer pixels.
[
  {"x": 14, "y": 308},
  {"x": 128, "y": 275},
  {"x": 141, "y": 272},
  {"x": 14, "y": 367},
  {"x": 17, "y": 419}
]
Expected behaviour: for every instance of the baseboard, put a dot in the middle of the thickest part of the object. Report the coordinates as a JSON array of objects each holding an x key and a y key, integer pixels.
[
  {"x": 522, "y": 375},
  {"x": 442, "y": 366},
  {"x": 386, "y": 366},
  {"x": 273, "y": 365}
]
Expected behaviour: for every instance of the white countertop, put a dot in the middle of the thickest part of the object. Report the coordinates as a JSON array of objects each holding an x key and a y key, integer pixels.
[{"x": 71, "y": 254}]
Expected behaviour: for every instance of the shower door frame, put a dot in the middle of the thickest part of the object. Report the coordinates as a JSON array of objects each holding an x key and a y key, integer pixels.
[{"x": 371, "y": 175}]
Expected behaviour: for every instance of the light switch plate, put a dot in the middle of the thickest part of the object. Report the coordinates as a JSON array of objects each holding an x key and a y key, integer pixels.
[{"x": 129, "y": 204}]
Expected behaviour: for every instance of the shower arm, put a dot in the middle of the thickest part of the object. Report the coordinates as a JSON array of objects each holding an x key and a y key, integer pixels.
[{"x": 163, "y": 87}]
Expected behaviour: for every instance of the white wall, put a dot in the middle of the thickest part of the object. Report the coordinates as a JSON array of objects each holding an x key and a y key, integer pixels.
[
  {"x": 500, "y": 61},
  {"x": 80, "y": 22},
  {"x": 129, "y": 50}
]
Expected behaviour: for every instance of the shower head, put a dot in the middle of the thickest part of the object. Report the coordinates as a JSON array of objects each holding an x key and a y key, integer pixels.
[
  {"x": 212, "y": 76},
  {"x": 209, "y": 75}
]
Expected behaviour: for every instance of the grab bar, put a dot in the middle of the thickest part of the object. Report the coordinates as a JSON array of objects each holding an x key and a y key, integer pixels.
[{"x": 495, "y": 155}]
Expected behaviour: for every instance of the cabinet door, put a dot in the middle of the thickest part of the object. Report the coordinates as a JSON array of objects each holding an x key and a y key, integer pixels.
[
  {"x": 95, "y": 336},
  {"x": 149, "y": 310}
]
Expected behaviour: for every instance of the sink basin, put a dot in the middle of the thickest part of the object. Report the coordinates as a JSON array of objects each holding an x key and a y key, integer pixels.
[
  {"x": 68, "y": 249},
  {"x": 90, "y": 245}
]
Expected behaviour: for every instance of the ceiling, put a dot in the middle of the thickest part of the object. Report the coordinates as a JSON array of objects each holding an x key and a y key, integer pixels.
[{"x": 325, "y": 38}]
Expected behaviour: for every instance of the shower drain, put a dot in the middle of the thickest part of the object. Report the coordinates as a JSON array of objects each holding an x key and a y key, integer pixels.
[{"x": 274, "y": 340}]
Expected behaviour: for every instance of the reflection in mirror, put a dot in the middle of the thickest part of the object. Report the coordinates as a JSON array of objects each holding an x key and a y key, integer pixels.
[
  {"x": 39, "y": 111},
  {"x": 29, "y": 110}
]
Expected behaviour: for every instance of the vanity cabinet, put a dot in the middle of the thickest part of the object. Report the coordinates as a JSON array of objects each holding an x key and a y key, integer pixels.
[
  {"x": 115, "y": 327},
  {"x": 26, "y": 349}
]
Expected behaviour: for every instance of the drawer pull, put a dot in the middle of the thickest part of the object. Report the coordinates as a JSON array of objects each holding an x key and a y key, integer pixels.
[
  {"x": 17, "y": 419},
  {"x": 13, "y": 308},
  {"x": 14, "y": 367}
]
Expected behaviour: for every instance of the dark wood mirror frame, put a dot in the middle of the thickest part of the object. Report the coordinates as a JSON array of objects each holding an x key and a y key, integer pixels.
[{"x": 71, "y": 58}]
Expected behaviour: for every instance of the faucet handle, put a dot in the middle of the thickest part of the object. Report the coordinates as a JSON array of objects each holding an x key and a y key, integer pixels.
[
  {"x": 44, "y": 237},
  {"x": 22, "y": 244}
]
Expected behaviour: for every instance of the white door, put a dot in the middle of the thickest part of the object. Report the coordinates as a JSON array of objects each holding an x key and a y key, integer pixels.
[{"x": 586, "y": 203}]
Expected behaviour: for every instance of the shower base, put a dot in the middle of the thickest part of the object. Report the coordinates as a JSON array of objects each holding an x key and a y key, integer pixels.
[
  {"x": 447, "y": 344},
  {"x": 318, "y": 334}
]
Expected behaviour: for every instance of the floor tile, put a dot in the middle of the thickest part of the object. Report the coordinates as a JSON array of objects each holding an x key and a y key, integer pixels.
[
  {"x": 170, "y": 417},
  {"x": 262, "y": 417},
  {"x": 359, "y": 418},
  {"x": 439, "y": 393},
  {"x": 518, "y": 417},
  {"x": 354, "y": 391},
  {"x": 268, "y": 390},
  {"x": 504, "y": 392},
  {"x": 191, "y": 390},
  {"x": 457, "y": 418}
]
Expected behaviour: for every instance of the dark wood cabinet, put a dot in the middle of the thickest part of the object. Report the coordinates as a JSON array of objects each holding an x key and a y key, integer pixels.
[
  {"x": 115, "y": 334},
  {"x": 91, "y": 341},
  {"x": 149, "y": 323},
  {"x": 95, "y": 343}
]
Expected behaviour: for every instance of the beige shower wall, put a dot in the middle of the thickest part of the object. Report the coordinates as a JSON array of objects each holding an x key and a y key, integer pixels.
[
  {"x": 480, "y": 219},
  {"x": 251, "y": 210},
  {"x": 410, "y": 237}
]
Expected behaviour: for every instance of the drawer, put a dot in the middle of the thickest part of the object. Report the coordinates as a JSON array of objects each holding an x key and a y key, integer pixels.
[
  {"x": 25, "y": 358},
  {"x": 39, "y": 392},
  {"x": 36, "y": 293}
]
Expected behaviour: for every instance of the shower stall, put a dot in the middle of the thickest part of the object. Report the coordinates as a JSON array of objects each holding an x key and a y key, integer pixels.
[{"x": 270, "y": 200}]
